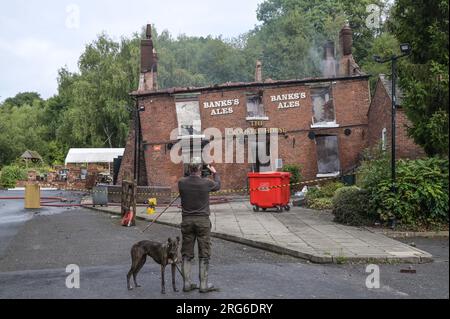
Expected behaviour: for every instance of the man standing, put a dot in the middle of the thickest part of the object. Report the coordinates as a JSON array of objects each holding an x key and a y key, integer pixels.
[{"x": 196, "y": 225}]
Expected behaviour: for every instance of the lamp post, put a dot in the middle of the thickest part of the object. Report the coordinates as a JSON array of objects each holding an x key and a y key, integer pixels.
[{"x": 405, "y": 48}]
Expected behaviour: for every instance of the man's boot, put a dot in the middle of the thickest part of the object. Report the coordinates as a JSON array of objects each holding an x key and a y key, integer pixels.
[
  {"x": 203, "y": 274},
  {"x": 187, "y": 283}
]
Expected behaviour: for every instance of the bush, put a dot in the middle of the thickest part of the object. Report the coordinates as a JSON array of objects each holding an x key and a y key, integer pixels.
[
  {"x": 320, "y": 203},
  {"x": 374, "y": 169},
  {"x": 10, "y": 175},
  {"x": 296, "y": 175},
  {"x": 321, "y": 197},
  {"x": 421, "y": 198},
  {"x": 325, "y": 191},
  {"x": 351, "y": 207}
]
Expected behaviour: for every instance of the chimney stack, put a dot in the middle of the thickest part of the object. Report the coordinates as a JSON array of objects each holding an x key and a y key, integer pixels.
[
  {"x": 347, "y": 64},
  {"x": 329, "y": 60},
  {"x": 258, "y": 71},
  {"x": 346, "y": 40},
  {"x": 149, "y": 63}
]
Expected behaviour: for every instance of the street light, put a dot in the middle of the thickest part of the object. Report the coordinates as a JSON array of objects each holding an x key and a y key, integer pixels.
[{"x": 405, "y": 49}]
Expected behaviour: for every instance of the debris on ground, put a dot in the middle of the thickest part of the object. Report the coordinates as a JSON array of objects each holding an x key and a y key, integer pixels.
[{"x": 408, "y": 270}]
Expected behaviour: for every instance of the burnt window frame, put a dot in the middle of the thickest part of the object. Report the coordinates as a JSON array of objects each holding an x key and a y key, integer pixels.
[
  {"x": 328, "y": 174},
  {"x": 256, "y": 95},
  {"x": 187, "y": 98},
  {"x": 323, "y": 124}
]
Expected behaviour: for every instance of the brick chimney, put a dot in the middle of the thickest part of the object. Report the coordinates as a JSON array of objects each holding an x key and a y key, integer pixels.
[
  {"x": 347, "y": 64},
  {"x": 258, "y": 71},
  {"x": 149, "y": 63}
]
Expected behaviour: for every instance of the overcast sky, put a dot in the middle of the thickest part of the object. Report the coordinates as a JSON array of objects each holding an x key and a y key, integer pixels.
[{"x": 39, "y": 37}]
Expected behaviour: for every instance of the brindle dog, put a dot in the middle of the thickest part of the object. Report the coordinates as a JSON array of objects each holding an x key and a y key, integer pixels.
[{"x": 163, "y": 254}]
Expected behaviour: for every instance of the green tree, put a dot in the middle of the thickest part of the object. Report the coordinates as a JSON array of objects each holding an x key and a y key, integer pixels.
[
  {"x": 384, "y": 45},
  {"x": 26, "y": 98},
  {"x": 424, "y": 79},
  {"x": 95, "y": 114}
]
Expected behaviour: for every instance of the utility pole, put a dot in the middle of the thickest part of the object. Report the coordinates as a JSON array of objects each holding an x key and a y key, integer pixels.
[
  {"x": 394, "y": 130},
  {"x": 137, "y": 134},
  {"x": 405, "y": 48}
]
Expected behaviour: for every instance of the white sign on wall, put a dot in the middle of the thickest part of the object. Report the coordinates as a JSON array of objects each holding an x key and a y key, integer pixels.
[
  {"x": 223, "y": 107},
  {"x": 290, "y": 100}
]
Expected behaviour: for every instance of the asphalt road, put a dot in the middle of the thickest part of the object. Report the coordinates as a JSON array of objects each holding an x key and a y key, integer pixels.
[{"x": 36, "y": 248}]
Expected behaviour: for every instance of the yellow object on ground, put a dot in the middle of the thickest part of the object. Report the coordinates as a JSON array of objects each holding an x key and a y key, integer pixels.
[
  {"x": 32, "y": 196},
  {"x": 151, "y": 209}
]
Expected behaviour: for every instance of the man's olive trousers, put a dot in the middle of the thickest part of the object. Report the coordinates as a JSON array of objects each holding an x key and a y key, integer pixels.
[{"x": 196, "y": 228}]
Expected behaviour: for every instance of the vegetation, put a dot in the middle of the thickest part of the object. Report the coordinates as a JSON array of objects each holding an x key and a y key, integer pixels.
[
  {"x": 92, "y": 106},
  {"x": 421, "y": 197},
  {"x": 351, "y": 207},
  {"x": 424, "y": 77},
  {"x": 296, "y": 175},
  {"x": 10, "y": 175},
  {"x": 321, "y": 197}
]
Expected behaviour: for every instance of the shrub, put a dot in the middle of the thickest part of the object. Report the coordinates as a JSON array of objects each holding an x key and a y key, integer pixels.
[
  {"x": 421, "y": 197},
  {"x": 320, "y": 203},
  {"x": 325, "y": 191},
  {"x": 375, "y": 168},
  {"x": 329, "y": 189},
  {"x": 10, "y": 175},
  {"x": 296, "y": 175},
  {"x": 351, "y": 207},
  {"x": 321, "y": 197}
]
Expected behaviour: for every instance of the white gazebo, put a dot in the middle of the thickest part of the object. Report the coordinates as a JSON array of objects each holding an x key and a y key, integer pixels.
[{"x": 93, "y": 155}]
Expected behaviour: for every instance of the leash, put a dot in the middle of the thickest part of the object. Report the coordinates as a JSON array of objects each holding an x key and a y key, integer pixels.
[
  {"x": 181, "y": 273},
  {"x": 154, "y": 220}
]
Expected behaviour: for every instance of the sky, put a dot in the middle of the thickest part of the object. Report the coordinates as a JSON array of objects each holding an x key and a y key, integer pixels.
[{"x": 39, "y": 37}]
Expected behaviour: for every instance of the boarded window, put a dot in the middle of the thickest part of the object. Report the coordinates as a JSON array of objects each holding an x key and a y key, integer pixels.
[
  {"x": 327, "y": 154},
  {"x": 258, "y": 149},
  {"x": 188, "y": 114},
  {"x": 255, "y": 107},
  {"x": 323, "y": 107}
]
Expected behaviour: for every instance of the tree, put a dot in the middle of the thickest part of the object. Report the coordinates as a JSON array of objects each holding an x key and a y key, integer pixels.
[
  {"x": 384, "y": 45},
  {"x": 26, "y": 98},
  {"x": 424, "y": 79},
  {"x": 97, "y": 98},
  {"x": 291, "y": 38}
]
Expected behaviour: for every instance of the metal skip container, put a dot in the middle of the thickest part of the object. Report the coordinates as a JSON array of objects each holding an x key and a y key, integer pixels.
[
  {"x": 32, "y": 196},
  {"x": 100, "y": 195}
]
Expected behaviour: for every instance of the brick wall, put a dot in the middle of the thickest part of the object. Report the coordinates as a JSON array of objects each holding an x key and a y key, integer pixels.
[
  {"x": 351, "y": 101},
  {"x": 380, "y": 117}
]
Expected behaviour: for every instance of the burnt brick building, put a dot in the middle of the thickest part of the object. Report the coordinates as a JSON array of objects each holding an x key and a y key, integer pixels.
[
  {"x": 380, "y": 128},
  {"x": 322, "y": 123}
]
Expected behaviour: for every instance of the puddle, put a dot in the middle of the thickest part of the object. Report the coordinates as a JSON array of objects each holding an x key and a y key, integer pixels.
[
  {"x": 12, "y": 211},
  {"x": 13, "y": 219}
]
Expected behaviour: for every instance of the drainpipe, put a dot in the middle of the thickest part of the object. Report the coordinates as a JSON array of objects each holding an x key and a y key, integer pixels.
[{"x": 137, "y": 131}]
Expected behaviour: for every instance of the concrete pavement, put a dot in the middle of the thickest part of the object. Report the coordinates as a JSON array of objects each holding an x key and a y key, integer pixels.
[{"x": 303, "y": 233}]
